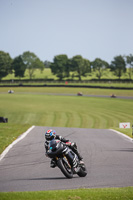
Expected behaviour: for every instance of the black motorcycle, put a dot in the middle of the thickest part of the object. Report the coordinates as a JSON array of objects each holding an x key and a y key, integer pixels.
[{"x": 66, "y": 159}]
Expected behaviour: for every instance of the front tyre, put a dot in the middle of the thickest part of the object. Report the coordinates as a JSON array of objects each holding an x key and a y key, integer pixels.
[
  {"x": 65, "y": 168},
  {"x": 83, "y": 171}
]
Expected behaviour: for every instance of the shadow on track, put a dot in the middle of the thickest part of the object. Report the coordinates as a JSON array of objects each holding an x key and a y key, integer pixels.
[{"x": 43, "y": 178}]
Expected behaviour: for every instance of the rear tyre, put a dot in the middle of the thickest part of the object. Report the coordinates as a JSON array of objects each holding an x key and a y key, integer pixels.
[{"x": 65, "y": 168}]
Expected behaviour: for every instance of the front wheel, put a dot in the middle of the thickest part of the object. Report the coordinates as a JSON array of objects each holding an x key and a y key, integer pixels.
[
  {"x": 66, "y": 170},
  {"x": 83, "y": 171}
]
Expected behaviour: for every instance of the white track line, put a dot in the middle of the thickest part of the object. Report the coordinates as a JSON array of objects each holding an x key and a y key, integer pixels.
[
  {"x": 131, "y": 139},
  {"x": 15, "y": 142}
]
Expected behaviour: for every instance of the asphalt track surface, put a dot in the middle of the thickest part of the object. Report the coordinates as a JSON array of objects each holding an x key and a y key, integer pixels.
[
  {"x": 63, "y": 94},
  {"x": 108, "y": 157}
]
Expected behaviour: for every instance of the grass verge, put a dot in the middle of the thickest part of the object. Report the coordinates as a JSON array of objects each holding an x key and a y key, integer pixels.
[
  {"x": 128, "y": 132},
  {"x": 78, "y": 194}
]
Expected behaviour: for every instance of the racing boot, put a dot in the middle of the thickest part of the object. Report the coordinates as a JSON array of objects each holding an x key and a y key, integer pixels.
[
  {"x": 53, "y": 163},
  {"x": 80, "y": 159},
  {"x": 79, "y": 156}
]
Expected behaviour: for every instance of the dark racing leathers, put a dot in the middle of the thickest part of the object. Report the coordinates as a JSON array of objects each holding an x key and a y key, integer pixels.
[{"x": 71, "y": 145}]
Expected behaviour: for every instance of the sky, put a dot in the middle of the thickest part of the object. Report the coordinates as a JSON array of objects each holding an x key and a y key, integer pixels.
[{"x": 90, "y": 28}]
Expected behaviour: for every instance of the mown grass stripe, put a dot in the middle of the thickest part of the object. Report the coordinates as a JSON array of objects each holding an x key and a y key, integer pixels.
[
  {"x": 65, "y": 111},
  {"x": 69, "y": 121},
  {"x": 119, "y": 117},
  {"x": 86, "y": 120}
]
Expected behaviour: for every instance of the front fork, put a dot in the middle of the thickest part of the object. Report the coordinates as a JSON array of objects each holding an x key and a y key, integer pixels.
[{"x": 65, "y": 159}]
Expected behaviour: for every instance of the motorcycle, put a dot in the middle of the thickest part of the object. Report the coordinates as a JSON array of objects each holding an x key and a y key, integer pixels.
[{"x": 66, "y": 159}]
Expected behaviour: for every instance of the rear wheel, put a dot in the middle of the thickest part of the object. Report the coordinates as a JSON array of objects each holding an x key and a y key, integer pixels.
[{"x": 64, "y": 167}]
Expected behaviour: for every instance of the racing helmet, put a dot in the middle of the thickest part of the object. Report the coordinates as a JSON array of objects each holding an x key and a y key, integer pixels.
[{"x": 50, "y": 135}]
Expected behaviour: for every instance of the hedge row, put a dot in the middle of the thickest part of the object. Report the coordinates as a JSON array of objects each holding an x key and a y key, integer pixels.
[
  {"x": 74, "y": 86},
  {"x": 70, "y": 80}
]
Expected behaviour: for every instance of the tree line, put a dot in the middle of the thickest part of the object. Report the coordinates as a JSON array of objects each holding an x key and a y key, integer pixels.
[{"x": 62, "y": 66}]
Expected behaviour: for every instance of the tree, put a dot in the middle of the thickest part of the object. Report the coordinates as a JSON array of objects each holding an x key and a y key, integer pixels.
[
  {"x": 60, "y": 66},
  {"x": 129, "y": 61},
  {"x": 118, "y": 66},
  {"x": 80, "y": 65},
  {"x": 99, "y": 66},
  {"x": 5, "y": 64},
  {"x": 38, "y": 64},
  {"x": 86, "y": 67},
  {"x": 19, "y": 66},
  {"x": 32, "y": 62},
  {"x": 47, "y": 64}
]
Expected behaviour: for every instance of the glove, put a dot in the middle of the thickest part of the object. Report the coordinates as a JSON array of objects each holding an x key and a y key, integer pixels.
[
  {"x": 68, "y": 143},
  {"x": 74, "y": 145}
]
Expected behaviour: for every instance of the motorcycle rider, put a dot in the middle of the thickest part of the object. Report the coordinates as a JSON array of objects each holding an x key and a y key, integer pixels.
[{"x": 50, "y": 135}]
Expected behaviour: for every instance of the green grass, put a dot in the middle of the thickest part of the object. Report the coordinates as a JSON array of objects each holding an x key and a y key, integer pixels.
[
  {"x": 65, "y": 111},
  {"x": 78, "y": 194},
  {"x": 128, "y": 132}
]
